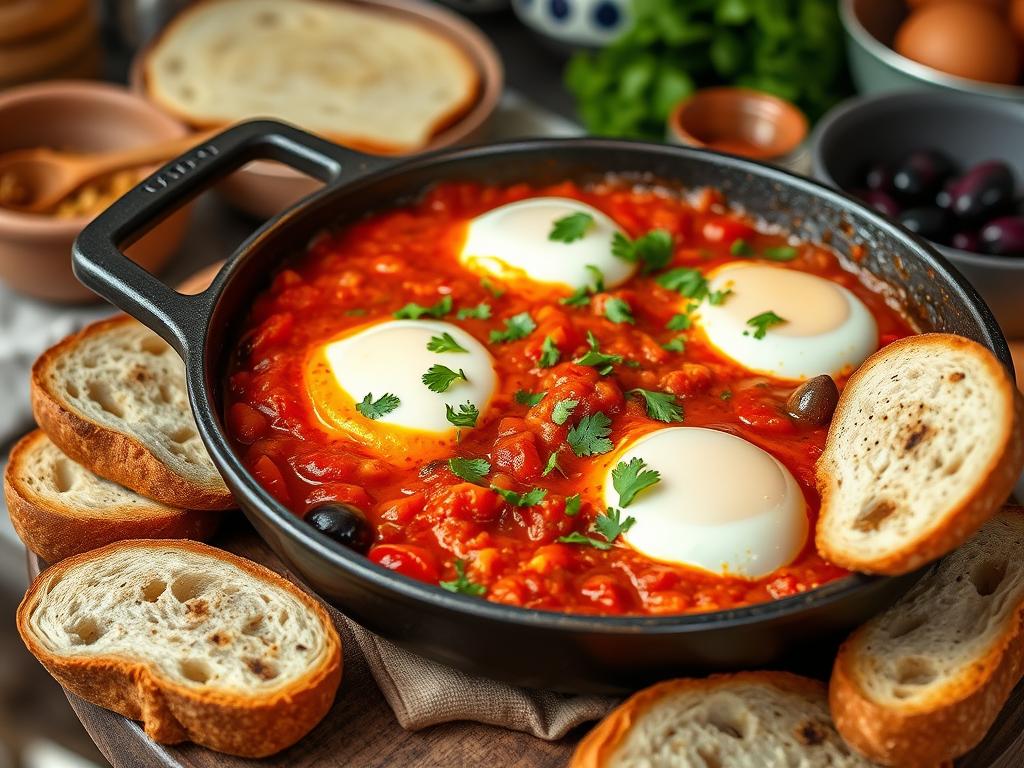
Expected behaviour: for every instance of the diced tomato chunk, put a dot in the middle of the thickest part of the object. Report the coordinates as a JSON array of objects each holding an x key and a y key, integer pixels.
[
  {"x": 269, "y": 476},
  {"x": 726, "y": 229},
  {"x": 465, "y": 501},
  {"x": 407, "y": 559},
  {"x": 762, "y": 415},
  {"x": 517, "y": 455}
]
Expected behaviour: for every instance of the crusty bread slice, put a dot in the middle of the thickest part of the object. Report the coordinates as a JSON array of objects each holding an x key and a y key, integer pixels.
[
  {"x": 366, "y": 77},
  {"x": 925, "y": 445},
  {"x": 59, "y": 508},
  {"x": 746, "y": 720},
  {"x": 923, "y": 681},
  {"x": 113, "y": 398},
  {"x": 198, "y": 644}
]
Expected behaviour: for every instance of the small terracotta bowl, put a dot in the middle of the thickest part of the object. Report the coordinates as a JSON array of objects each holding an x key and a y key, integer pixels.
[
  {"x": 740, "y": 121},
  {"x": 264, "y": 188},
  {"x": 80, "y": 116}
]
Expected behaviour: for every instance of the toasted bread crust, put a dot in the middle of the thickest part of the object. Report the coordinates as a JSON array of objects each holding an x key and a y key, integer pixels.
[
  {"x": 110, "y": 454},
  {"x": 990, "y": 492},
  {"x": 597, "y": 747},
  {"x": 55, "y": 533},
  {"x": 235, "y": 724}
]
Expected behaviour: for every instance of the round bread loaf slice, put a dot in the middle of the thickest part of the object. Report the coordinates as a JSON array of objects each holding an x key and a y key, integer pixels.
[
  {"x": 922, "y": 683},
  {"x": 366, "y": 77},
  {"x": 925, "y": 446},
  {"x": 198, "y": 644},
  {"x": 113, "y": 398},
  {"x": 746, "y": 720},
  {"x": 59, "y": 508}
]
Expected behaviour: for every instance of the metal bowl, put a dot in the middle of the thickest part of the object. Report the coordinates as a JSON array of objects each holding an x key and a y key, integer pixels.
[{"x": 526, "y": 647}]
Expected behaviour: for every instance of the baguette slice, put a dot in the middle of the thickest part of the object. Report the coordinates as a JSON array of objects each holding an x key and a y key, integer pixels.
[
  {"x": 925, "y": 680},
  {"x": 197, "y": 643},
  {"x": 60, "y": 508},
  {"x": 363, "y": 75},
  {"x": 113, "y": 398},
  {"x": 925, "y": 446},
  {"x": 745, "y": 720}
]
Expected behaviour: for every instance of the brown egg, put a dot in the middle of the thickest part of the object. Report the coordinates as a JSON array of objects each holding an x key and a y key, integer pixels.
[
  {"x": 1017, "y": 19},
  {"x": 961, "y": 38}
]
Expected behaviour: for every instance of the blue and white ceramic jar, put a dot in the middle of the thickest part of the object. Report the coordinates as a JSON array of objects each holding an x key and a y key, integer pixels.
[{"x": 591, "y": 23}]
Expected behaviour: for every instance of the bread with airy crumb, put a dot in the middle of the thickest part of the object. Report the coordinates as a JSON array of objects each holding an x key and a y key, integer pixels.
[
  {"x": 198, "y": 644},
  {"x": 59, "y": 508},
  {"x": 113, "y": 398},
  {"x": 365, "y": 77},
  {"x": 924, "y": 681},
  {"x": 925, "y": 446},
  {"x": 745, "y": 720}
]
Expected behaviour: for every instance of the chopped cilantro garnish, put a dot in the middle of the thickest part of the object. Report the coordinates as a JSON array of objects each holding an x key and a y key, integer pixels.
[
  {"x": 579, "y": 538},
  {"x": 563, "y": 410},
  {"x": 741, "y": 247},
  {"x": 439, "y": 378},
  {"x": 471, "y": 470},
  {"x": 525, "y": 397},
  {"x": 572, "y": 505},
  {"x": 531, "y": 498},
  {"x": 445, "y": 343},
  {"x": 571, "y": 228},
  {"x": 581, "y": 296},
  {"x": 382, "y": 406},
  {"x": 618, "y": 311},
  {"x": 414, "y": 311},
  {"x": 611, "y": 525},
  {"x": 491, "y": 288},
  {"x": 679, "y": 322},
  {"x": 595, "y": 358},
  {"x": 726, "y": 394},
  {"x": 688, "y": 281},
  {"x": 628, "y": 479},
  {"x": 661, "y": 406},
  {"x": 717, "y": 297},
  {"x": 549, "y": 353},
  {"x": 678, "y": 344},
  {"x": 516, "y": 327},
  {"x": 466, "y": 416},
  {"x": 590, "y": 436},
  {"x": 761, "y": 323},
  {"x": 652, "y": 251},
  {"x": 598, "y": 278},
  {"x": 481, "y": 311},
  {"x": 461, "y": 583},
  {"x": 552, "y": 465},
  {"x": 779, "y": 253}
]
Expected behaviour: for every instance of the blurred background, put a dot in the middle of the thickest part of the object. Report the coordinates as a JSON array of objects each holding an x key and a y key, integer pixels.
[{"x": 915, "y": 106}]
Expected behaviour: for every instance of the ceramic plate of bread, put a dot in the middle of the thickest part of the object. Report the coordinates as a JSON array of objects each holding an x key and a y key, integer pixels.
[{"x": 586, "y": 414}]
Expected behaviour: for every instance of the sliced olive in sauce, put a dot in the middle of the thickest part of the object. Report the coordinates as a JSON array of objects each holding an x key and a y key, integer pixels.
[
  {"x": 342, "y": 522},
  {"x": 813, "y": 402}
]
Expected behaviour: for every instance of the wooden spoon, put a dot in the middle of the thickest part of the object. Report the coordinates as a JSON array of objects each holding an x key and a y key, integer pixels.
[{"x": 43, "y": 177}]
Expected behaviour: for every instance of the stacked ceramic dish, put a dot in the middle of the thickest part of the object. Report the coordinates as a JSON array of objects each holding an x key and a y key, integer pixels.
[{"x": 46, "y": 39}]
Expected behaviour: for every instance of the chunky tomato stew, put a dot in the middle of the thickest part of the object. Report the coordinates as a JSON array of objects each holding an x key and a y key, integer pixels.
[{"x": 511, "y": 508}]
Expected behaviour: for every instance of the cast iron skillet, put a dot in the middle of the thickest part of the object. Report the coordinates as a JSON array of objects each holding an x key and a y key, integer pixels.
[{"x": 532, "y": 648}]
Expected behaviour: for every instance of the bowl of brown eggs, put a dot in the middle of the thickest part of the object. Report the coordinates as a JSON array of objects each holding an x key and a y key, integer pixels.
[{"x": 967, "y": 46}]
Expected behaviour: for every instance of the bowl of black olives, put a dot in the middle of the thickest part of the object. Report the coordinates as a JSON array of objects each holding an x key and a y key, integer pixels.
[{"x": 949, "y": 168}]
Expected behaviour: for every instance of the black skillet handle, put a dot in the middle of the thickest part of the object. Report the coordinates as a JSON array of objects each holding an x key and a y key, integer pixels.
[{"x": 97, "y": 256}]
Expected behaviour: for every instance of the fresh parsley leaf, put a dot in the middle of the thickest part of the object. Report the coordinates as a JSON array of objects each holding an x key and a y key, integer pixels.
[
  {"x": 481, "y": 311},
  {"x": 552, "y": 465},
  {"x": 572, "y": 505},
  {"x": 678, "y": 344},
  {"x": 461, "y": 584},
  {"x": 471, "y": 470},
  {"x": 717, "y": 297},
  {"x": 414, "y": 311},
  {"x": 578, "y": 298},
  {"x": 590, "y": 436},
  {"x": 598, "y": 278},
  {"x": 581, "y": 296},
  {"x": 652, "y": 251},
  {"x": 491, "y": 288},
  {"x": 779, "y": 253},
  {"x": 741, "y": 247},
  {"x": 611, "y": 525},
  {"x": 466, "y": 416},
  {"x": 516, "y": 327},
  {"x": 618, "y": 311},
  {"x": 661, "y": 406},
  {"x": 549, "y": 353},
  {"x": 688, "y": 281},
  {"x": 525, "y": 397},
  {"x": 761, "y": 323},
  {"x": 531, "y": 498},
  {"x": 679, "y": 322},
  {"x": 571, "y": 228},
  {"x": 578, "y": 538},
  {"x": 445, "y": 343},
  {"x": 595, "y": 358},
  {"x": 628, "y": 479},
  {"x": 439, "y": 378},
  {"x": 563, "y": 410},
  {"x": 382, "y": 406}
]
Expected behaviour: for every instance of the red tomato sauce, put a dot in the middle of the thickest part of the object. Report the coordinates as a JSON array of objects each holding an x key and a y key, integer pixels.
[{"x": 426, "y": 519}]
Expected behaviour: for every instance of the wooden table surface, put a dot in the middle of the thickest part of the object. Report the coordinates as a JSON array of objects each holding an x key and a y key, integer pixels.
[{"x": 361, "y": 730}]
